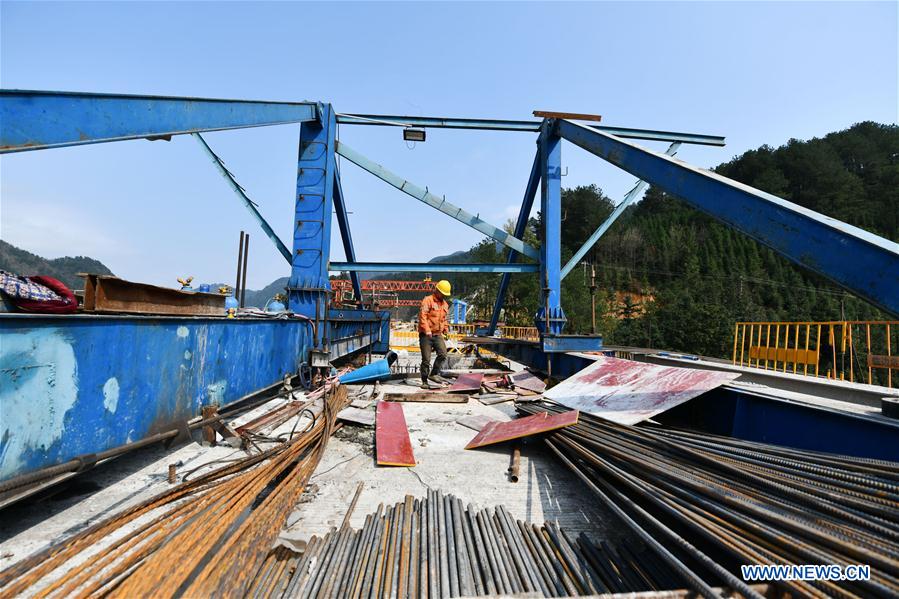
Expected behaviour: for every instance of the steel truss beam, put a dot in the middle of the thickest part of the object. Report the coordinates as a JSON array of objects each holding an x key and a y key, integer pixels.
[
  {"x": 527, "y": 126},
  {"x": 436, "y": 202},
  {"x": 242, "y": 196},
  {"x": 37, "y": 120},
  {"x": 430, "y": 267},
  {"x": 863, "y": 263},
  {"x": 629, "y": 199},
  {"x": 520, "y": 225}
]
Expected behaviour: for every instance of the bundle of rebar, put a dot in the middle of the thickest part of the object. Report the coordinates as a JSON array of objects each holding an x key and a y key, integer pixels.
[
  {"x": 709, "y": 504},
  {"x": 436, "y": 547},
  {"x": 204, "y": 537}
]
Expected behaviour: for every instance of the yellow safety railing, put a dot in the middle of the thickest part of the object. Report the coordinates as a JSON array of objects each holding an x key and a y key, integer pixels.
[{"x": 841, "y": 349}]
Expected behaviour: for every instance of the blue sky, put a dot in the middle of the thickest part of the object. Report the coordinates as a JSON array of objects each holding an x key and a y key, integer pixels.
[{"x": 152, "y": 211}]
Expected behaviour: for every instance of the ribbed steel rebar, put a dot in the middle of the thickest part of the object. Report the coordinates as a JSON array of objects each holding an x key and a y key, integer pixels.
[
  {"x": 404, "y": 559},
  {"x": 715, "y": 503}
]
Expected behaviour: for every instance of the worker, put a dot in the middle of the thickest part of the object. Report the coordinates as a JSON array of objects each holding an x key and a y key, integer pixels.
[{"x": 432, "y": 330}]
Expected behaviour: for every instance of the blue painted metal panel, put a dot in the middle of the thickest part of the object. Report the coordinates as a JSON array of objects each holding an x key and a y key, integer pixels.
[
  {"x": 430, "y": 267},
  {"x": 632, "y": 196},
  {"x": 34, "y": 120},
  {"x": 757, "y": 416},
  {"x": 309, "y": 287},
  {"x": 242, "y": 196},
  {"x": 576, "y": 343},
  {"x": 862, "y": 262},
  {"x": 436, "y": 202},
  {"x": 550, "y": 318},
  {"x": 71, "y": 385},
  {"x": 343, "y": 222},
  {"x": 458, "y": 311},
  {"x": 524, "y": 212},
  {"x": 529, "y": 126}
]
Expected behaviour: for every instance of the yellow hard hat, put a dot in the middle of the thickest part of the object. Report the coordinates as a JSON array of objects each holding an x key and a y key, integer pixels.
[{"x": 443, "y": 287}]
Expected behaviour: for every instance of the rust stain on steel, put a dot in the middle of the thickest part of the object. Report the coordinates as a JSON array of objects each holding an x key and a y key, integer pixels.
[
  {"x": 391, "y": 436},
  {"x": 629, "y": 392},
  {"x": 497, "y": 432}
]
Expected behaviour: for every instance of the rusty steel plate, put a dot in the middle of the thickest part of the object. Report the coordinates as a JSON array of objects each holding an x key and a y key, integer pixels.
[
  {"x": 392, "y": 442},
  {"x": 497, "y": 432},
  {"x": 467, "y": 383},
  {"x": 629, "y": 392}
]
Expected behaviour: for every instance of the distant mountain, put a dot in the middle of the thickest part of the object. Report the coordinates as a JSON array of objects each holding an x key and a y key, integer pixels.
[
  {"x": 260, "y": 297},
  {"x": 65, "y": 269},
  {"x": 454, "y": 257}
]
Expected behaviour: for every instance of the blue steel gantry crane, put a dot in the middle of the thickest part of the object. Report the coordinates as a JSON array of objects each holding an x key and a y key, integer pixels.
[{"x": 861, "y": 262}]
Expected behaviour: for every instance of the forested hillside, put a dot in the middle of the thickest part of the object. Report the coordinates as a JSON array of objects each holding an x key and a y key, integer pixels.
[
  {"x": 671, "y": 277},
  {"x": 65, "y": 269}
]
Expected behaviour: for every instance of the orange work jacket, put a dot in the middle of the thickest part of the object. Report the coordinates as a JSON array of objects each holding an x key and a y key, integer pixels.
[{"x": 432, "y": 316}]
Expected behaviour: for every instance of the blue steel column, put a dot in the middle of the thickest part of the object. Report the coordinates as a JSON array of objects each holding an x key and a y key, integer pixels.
[
  {"x": 523, "y": 214},
  {"x": 309, "y": 287},
  {"x": 550, "y": 312}
]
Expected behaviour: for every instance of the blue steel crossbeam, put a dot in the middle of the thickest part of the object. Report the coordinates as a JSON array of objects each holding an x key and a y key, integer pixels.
[
  {"x": 36, "y": 120},
  {"x": 430, "y": 267},
  {"x": 861, "y": 262},
  {"x": 526, "y": 126}
]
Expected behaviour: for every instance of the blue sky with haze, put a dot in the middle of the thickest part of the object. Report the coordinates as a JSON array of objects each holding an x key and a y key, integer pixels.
[{"x": 755, "y": 72}]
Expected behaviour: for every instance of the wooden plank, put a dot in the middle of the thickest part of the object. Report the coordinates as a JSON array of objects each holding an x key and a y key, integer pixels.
[
  {"x": 497, "y": 432},
  {"x": 426, "y": 397},
  {"x": 392, "y": 442},
  {"x": 571, "y": 116},
  {"x": 103, "y": 293},
  {"x": 467, "y": 383}
]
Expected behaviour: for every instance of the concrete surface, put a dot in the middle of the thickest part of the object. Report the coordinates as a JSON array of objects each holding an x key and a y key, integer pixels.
[{"x": 545, "y": 491}]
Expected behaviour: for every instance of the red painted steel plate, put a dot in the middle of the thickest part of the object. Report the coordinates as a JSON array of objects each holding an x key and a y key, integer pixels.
[
  {"x": 467, "y": 383},
  {"x": 629, "y": 392},
  {"x": 391, "y": 436},
  {"x": 526, "y": 380},
  {"x": 497, "y": 432}
]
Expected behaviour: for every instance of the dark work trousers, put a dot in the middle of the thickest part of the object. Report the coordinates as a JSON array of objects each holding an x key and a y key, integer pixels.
[{"x": 426, "y": 344}]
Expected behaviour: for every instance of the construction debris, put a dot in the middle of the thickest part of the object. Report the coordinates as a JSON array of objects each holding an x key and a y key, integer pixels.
[
  {"x": 426, "y": 397},
  {"x": 541, "y": 422},
  {"x": 437, "y": 547},
  {"x": 467, "y": 383}
]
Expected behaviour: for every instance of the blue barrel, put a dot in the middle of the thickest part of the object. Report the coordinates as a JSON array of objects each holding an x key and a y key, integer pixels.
[{"x": 376, "y": 371}]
